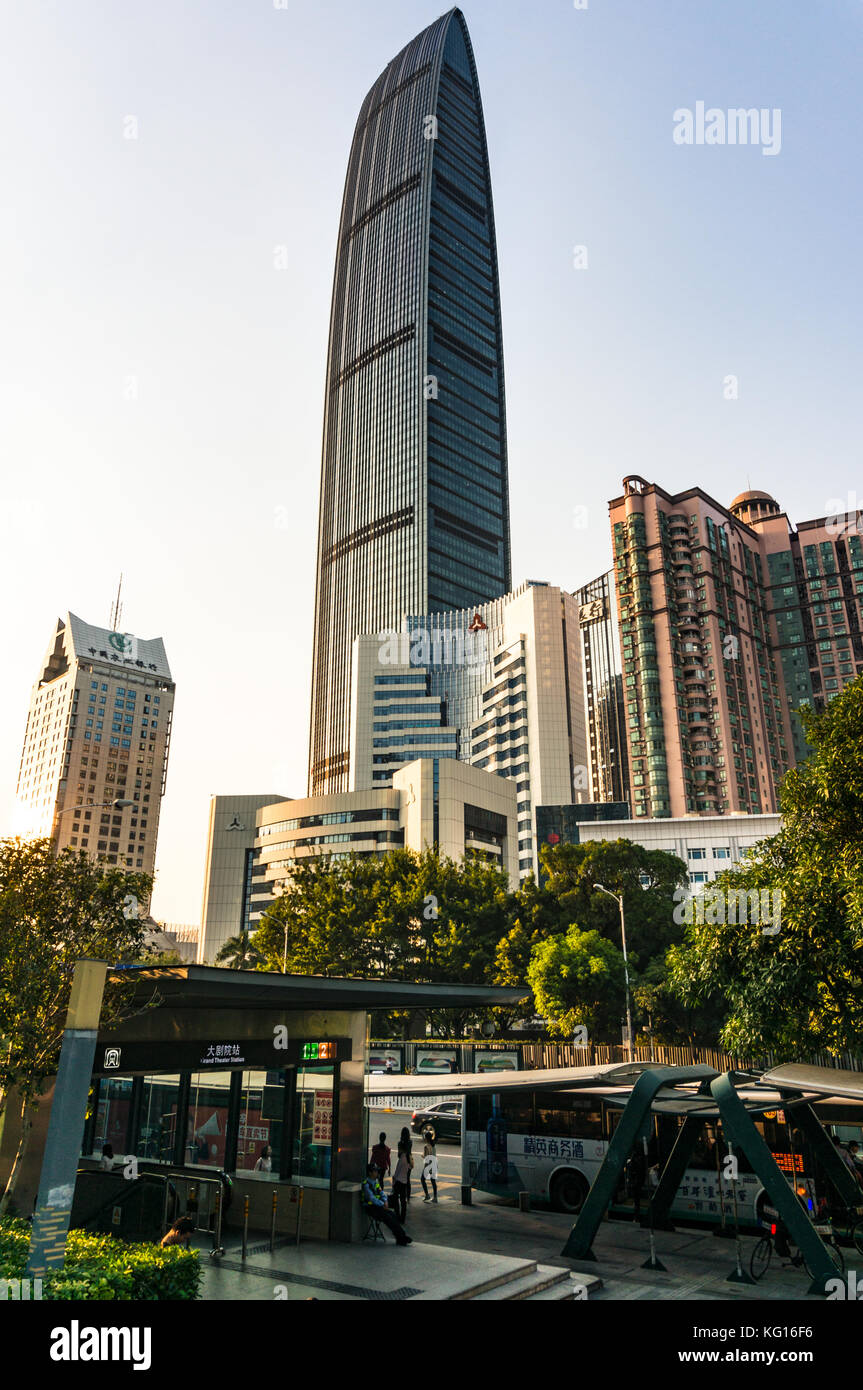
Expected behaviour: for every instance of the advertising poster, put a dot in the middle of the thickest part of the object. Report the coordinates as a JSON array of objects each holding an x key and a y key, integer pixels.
[
  {"x": 386, "y": 1058},
  {"x": 495, "y": 1061},
  {"x": 436, "y": 1061}
]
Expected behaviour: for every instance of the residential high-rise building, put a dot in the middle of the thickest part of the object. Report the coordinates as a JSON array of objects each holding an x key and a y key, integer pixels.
[
  {"x": 730, "y": 619},
  {"x": 414, "y": 506},
  {"x": 815, "y": 591},
  {"x": 98, "y": 731},
  {"x": 605, "y": 711}
]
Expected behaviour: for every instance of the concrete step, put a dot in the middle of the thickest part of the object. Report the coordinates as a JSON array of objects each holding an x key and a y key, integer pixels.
[
  {"x": 489, "y": 1287},
  {"x": 541, "y": 1279}
]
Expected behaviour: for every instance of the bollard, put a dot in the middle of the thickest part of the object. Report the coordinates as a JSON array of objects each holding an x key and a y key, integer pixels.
[
  {"x": 273, "y": 1219},
  {"x": 466, "y": 1194},
  {"x": 299, "y": 1211},
  {"x": 245, "y": 1225},
  {"x": 217, "y": 1227},
  {"x": 524, "y": 1201}
]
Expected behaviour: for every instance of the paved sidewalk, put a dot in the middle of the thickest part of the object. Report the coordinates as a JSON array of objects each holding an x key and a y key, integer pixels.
[{"x": 326, "y": 1270}]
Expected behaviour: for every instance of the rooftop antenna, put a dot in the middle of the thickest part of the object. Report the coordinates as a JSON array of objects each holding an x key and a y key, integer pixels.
[{"x": 116, "y": 615}]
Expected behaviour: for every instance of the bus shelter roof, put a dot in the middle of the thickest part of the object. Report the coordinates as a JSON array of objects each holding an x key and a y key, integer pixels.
[
  {"x": 824, "y": 1081},
  {"x": 623, "y": 1074}
]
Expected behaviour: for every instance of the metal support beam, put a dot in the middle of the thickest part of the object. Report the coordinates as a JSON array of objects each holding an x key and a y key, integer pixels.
[
  {"x": 672, "y": 1173},
  {"x": 633, "y": 1124},
  {"x": 741, "y": 1132}
]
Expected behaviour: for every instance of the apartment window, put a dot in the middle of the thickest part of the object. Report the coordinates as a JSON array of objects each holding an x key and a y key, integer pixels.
[
  {"x": 722, "y": 853},
  {"x": 698, "y": 854}
]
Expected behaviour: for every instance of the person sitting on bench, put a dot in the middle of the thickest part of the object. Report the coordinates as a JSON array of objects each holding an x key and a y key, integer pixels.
[{"x": 374, "y": 1205}]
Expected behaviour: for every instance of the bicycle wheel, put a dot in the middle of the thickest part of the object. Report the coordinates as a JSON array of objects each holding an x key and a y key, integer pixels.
[
  {"x": 760, "y": 1259},
  {"x": 857, "y": 1237},
  {"x": 835, "y": 1254}
]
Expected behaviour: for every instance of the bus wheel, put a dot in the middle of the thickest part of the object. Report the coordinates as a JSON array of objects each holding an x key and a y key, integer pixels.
[{"x": 568, "y": 1192}]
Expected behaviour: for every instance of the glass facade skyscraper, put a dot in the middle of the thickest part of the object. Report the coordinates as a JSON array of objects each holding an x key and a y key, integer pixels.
[{"x": 414, "y": 506}]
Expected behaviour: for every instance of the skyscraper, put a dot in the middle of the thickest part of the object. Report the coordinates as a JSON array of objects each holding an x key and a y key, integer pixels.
[
  {"x": 98, "y": 732},
  {"x": 414, "y": 505}
]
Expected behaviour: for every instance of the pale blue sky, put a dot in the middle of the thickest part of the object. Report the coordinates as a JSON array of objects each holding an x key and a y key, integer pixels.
[{"x": 153, "y": 259}]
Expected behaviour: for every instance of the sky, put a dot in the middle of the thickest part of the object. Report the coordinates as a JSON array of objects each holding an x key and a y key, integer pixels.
[{"x": 169, "y": 205}]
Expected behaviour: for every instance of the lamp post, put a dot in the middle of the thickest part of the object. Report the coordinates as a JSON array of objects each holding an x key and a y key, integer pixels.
[{"x": 618, "y": 898}]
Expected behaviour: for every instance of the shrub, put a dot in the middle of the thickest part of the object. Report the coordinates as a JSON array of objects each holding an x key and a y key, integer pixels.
[{"x": 98, "y": 1267}]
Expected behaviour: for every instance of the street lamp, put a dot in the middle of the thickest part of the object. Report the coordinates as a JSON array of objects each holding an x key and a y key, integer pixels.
[
  {"x": 118, "y": 805},
  {"x": 619, "y": 900}
]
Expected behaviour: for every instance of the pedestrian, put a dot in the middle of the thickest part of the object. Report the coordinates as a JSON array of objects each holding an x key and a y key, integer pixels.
[
  {"x": 180, "y": 1233},
  {"x": 381, "y": 1156},
  {"x": 406, "y": 1142},
  {"x": 107, "y": 1157},
  {"x": 429, "y": 1169},
  {"x": 637, "y": 1175},
  {"x": 265, "y": 1160},
  {"x": 845, "y": 1155},
  {"x": 374, "y": 1203},
  {"x": 401, "y": 1179}
]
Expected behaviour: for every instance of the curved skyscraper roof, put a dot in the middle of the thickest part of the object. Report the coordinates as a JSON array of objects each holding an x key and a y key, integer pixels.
[{"x": 414, "y": 505}]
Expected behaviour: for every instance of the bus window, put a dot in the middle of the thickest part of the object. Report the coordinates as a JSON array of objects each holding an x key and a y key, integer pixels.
[{"x": 568, "y": 1117}]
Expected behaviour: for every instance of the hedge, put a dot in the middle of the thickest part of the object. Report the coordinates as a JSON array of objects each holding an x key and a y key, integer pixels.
[{"x": 100, "y": 1267}]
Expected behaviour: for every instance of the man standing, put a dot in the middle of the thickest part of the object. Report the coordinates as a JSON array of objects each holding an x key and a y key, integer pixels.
[
  {"x": 381, "y": 1156},
  {"x": 374, "y": 1204}
]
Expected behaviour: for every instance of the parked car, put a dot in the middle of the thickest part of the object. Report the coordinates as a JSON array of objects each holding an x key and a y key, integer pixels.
[{"x": 443, "y": 1120}]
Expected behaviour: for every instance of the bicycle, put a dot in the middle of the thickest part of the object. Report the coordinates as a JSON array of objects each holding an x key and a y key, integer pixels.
[
  {"x": 759, "y": 1261},
  {"x": 847, "y": 1223}
]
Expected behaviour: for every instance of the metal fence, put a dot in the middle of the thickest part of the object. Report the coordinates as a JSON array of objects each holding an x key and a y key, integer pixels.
[{"x": 533, "y": 1055}]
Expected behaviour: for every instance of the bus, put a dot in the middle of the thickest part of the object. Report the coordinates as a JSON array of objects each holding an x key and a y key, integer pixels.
[{"x": 551, "y": 1144}]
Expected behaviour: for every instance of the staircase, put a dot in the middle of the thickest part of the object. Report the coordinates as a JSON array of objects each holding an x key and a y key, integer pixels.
[{"x": 529, "y": 1281}]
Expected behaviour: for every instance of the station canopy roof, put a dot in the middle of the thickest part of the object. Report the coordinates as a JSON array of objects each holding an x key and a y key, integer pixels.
[
  {"x": 611, "y": 1075},
  {"x": 210, "y": 987},
  {"x": 824, "y": 1081}
]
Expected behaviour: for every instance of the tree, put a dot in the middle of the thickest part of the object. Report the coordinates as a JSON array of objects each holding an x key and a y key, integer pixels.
[
  {"x": 239, "y": 953},
  {"x": 404, "y": 916},
  {"x": 54, "y": 911},
  {"x": 578, "y": 978},
  {"x": 799, "y": 988}
]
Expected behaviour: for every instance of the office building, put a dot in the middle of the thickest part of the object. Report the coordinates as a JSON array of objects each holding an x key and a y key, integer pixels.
[
  {"x": 498, "y": 686},
  {"x": 414, "y": 508},
  {"x": 604, "y": 707},
  {"x": 231, "y": 834},
  {"x": 464, "y": 811},
  {"x": 98, "y": 732},
  {"x": 706, "y": 844}
]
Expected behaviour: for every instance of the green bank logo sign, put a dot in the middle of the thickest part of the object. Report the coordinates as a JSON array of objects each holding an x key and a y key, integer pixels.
[{"x": 123, "y": 643}]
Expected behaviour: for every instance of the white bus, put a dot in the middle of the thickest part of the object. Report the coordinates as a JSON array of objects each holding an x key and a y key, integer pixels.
[{"x": 551, "y": 1144}]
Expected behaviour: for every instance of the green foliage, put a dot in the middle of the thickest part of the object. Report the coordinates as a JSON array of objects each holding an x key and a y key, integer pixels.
[
  {"x": 405, "y": 916},
  {"x": 800, "y": 989},
  {"x": 570, "y": 899},
  {"x": 238, "y": 953},
  {"x": 54, "y": 911},
  {"x": 100, "y": 1268},
  {"x": 577, "y": 978}
]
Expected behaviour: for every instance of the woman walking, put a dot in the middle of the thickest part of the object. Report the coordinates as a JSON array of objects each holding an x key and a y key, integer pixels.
[
  {"x": 407, "y": 1143},
  {"x": 429, "y": 1169},
  {"x": 402, "y": 1177}
]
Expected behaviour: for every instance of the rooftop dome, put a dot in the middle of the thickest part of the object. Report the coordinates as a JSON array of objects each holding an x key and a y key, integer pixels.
[{"x": 753, "y": 505}]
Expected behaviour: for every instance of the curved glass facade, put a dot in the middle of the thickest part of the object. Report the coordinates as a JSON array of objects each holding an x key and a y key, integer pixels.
[{"x": 414, "y": 506}]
